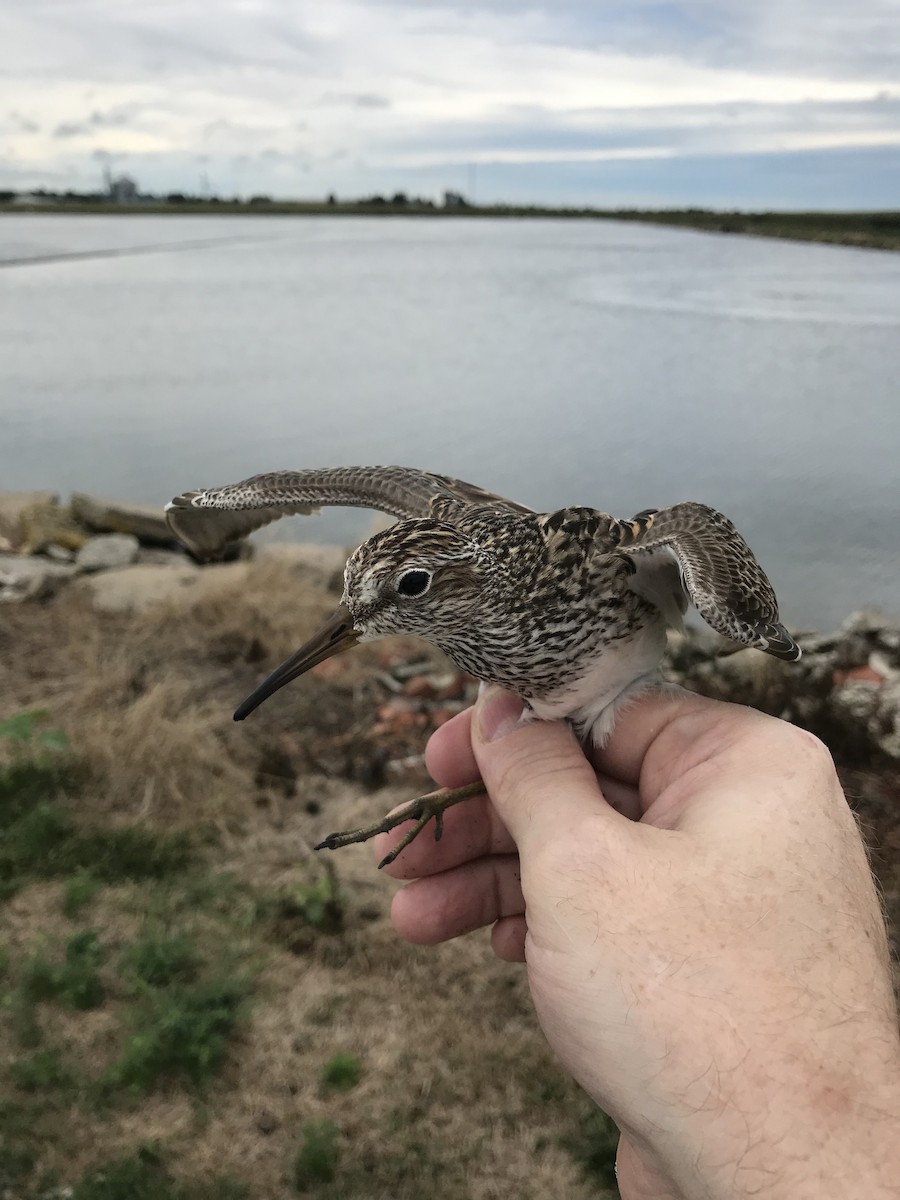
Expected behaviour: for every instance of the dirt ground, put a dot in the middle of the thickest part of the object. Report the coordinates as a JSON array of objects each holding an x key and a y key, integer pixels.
[
  {"x": 456, "y": 1095},
  {"x": 351, "y": 1064}
]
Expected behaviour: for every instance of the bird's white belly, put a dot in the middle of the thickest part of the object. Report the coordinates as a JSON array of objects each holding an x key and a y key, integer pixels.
[{"x": 612, "y": 678}]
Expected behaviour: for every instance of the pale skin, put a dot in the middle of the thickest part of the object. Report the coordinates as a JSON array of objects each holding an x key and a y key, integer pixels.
[{"x": 704, "y": 945}]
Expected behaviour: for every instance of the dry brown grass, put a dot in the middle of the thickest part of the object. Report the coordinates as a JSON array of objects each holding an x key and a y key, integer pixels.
[{"x": 458, "y": 1095}]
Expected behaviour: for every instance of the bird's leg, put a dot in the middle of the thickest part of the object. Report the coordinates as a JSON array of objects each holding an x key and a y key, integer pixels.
[{"x": 421, "y": 810}]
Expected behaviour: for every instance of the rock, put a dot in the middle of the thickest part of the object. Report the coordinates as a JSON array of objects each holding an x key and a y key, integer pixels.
[
  {"x": 133, "y": 589},
  {"x": 267, "y": 1122},
  {"x": 161, "y": 557},
  {"x": 107, "y": 551},
  {"x": 45, "y": 525},
  {"x": 12, "y": 505},
  {"x": 323, "y": 565},
  {"x": 24, "y": 578},
  {"x": 145, "y": 521}
]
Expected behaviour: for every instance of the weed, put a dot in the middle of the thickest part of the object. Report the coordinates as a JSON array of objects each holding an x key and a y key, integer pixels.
[
  {"x": 42, "y": 1071},
  {"x": 74, "y": 983},
  {"x": 19, "y": 1142},
  {"x": 21, "y": 734},
  {"x": 318, "y": 903},
  {"x": 183, "y": 1032},
  {"x": 326, "y": 1010},
  {"x": 159, "y": 962},
  {"x": 44, "y": 842},
  {"x": 593, "y": 1145},
  {"x": 317, "y": 1157},
  {"x": 142, "y": 1176},
  {"x": 78, "y": 892},
  {"x": 341, "y": 1073}
]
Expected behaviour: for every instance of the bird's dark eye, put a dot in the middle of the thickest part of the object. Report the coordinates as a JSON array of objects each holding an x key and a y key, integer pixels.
[{"x": 414, "y": 583}]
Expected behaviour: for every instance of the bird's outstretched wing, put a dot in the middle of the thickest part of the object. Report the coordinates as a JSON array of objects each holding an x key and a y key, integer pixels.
[
  {"x": 719, "y": 572},
  {"x": 208, "y": 519}
]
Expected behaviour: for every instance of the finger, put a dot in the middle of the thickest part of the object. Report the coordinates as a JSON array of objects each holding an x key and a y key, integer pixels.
[
  {"x": 638, "y": 726},
  {"x": 621, "y": 796},
  {"x": 446, "y": 906},
  {"x": 508, "y": 939},
  {"x": 537, "y": 775},
  {"x": 471, "y": 830},
  {"x": 448, "y": 755}
]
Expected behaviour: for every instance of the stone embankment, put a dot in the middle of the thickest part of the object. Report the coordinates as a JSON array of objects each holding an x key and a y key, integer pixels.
[{"x": 846, "y": 688}]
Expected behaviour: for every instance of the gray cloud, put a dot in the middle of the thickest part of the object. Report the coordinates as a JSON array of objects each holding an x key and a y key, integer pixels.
[
  {"x": 388, "y": 89},
  {"x": 114, "y": 118},
  {"x": 355, "y": 99}
]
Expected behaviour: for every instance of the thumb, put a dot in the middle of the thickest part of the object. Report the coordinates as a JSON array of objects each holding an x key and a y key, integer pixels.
[{"x": 535, "y": 772}]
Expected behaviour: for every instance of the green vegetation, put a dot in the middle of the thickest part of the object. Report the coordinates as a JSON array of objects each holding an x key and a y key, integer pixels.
[
  {"x": 878, "y": 230},
  {"x": 317, "y": 1157},
  {"x": 341, "y": 1073},
  {"x": 593, "y": 1145},
  {"x": 40, "y": 837},
  {"x": 75, "y": 982},
  {"x": 78, "y": 892},
  {"x": 142, "y": 1176},
  {"x": 175, "y": 1019},
  {"x": 318, "y": 903},
  {"x": 160, "y": 961},
  {"x": 42, "y": 1071},
  {"x": 179, "y": 1034}
]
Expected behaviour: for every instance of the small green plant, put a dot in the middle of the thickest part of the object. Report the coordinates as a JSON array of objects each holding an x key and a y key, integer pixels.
[
  {"x": 22, "y": 734},
  {"x": 159, "y": 962},
  {"x": 181, "y": 1032},
  {"x": 341, "y": 1073},
  {"x": 44, "y": 842},
  {"x": 74, "y": 983},
  {"x": 593, "y": 1145},
  {"x": 41, "y": 1071},
  {"x": 317, "y": 1158},
  {"x": 143, "y": 1176},
  {"x": 319, "y": 903},
  {"x": 78, "y": 892}
]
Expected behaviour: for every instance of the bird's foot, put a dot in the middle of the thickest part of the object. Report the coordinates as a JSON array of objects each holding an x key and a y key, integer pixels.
[{"x": 421, "y": 810}]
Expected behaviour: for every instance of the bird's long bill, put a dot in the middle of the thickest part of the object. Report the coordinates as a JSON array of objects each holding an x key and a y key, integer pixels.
[{"x": 336, "y": 634}]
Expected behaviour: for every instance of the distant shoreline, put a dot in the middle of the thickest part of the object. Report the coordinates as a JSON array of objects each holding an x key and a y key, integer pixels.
[{"x": 869, "y": 230}]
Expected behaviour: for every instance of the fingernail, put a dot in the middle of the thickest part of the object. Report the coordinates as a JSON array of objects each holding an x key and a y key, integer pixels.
[{"x": 499, "y": 713}]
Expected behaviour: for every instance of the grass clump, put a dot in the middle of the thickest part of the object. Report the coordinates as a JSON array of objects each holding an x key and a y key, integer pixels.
[
  {"x": 42, "y": 1071},
  {"x": 41, "y": 840},
  {"x": 143, "y": 1176},
  {"x": 160, "y": 961},
  {"x": 341, "y": 1073},
  {"x": 75, "y": 983},
  {"x": 317, "y": 1157},
  {"x": 182, "y": 1033},
  {"x": 593, "y": 1145},
  {"x": 78, "y": 892},
  {"x": 318, "y": 903}
]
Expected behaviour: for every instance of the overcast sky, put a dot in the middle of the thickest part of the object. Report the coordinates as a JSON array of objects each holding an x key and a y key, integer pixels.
[{"x": 743, "y": 103}]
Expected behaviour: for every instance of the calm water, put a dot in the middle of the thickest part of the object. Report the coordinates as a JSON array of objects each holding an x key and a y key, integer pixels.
[{"x": 559, "y": 362}]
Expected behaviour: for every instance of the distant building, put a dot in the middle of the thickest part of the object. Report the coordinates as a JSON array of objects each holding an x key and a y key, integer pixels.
[{"x": 121, "y": 189}]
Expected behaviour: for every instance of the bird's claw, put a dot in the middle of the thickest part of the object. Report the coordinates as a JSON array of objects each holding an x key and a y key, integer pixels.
[{"x": 422, "y": 810}]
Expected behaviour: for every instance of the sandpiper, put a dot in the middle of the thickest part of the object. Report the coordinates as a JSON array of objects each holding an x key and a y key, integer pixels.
[{"x": 568, "y": 609}]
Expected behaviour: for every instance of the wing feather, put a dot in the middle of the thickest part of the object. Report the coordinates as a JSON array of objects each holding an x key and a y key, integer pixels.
[
  {"x": 719, "y": 572},
  {"x": 208, "y": 519}
]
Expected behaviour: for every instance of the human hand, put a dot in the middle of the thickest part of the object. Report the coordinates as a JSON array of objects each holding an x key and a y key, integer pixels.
[{"x": 704, "y": 945}]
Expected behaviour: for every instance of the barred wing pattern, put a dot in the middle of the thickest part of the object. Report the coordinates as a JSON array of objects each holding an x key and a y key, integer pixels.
[
  {"x": 208, "y": 519},
  {"x": 719, "y": 572}
]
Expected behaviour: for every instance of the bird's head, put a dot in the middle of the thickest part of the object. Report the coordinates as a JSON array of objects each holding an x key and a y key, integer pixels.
[{"x": 418, "y": 577}]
